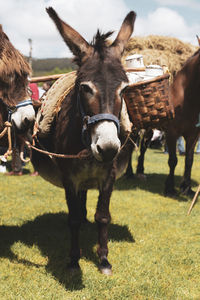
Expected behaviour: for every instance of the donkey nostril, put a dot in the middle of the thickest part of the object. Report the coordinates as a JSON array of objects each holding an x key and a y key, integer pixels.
[
  {"x": 26, "y": 121},
  {"x": 99, "y": 149}
]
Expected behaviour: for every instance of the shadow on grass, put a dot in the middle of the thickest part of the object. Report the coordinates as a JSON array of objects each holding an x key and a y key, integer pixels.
[
  {"x": 49, "y": 232},
  {"x": 154, "y": 183}
]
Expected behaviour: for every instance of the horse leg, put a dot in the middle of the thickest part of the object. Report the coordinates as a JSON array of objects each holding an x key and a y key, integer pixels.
[
  {"x": 189, "y": 155},
  {"x": 172, "y": 162},
  {"x": 74, "y": 222},
  {"x": 102, "y": 218},
  {"x": 143, "y": 148}
]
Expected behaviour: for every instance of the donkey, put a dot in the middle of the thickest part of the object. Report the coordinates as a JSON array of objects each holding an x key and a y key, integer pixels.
[
  {"x": 184, "y": 93},
  {"x": 89, "y": 118},
  {"x": 15, "y": 103}
]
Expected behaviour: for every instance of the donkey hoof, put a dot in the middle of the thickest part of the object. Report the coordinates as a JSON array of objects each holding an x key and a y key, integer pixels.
[
  {"x": 105, "y": 267},
  {"x": 106, "y": 271}
]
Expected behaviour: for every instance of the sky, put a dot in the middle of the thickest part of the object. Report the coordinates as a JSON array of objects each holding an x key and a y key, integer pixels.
[{"x": 27, "y": 19}]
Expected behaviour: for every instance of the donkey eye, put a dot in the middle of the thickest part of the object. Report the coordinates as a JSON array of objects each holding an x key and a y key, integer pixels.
[{"x": 86, "y": 89}]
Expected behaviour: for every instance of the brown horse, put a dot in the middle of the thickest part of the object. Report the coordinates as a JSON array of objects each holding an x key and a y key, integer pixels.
[
  {"x": 184, "y": 93},
  {"x": 15, "y": 104},
  {"x": 89, "y": 117}
]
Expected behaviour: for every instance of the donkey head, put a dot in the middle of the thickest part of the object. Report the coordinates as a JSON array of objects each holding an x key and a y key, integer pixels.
[{"x": 99, "y": 85}]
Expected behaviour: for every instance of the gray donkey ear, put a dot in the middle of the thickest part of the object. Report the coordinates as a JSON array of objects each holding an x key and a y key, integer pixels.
[
  {"x": 76, "y": 43},
  {"x": 124, "y": 34}
]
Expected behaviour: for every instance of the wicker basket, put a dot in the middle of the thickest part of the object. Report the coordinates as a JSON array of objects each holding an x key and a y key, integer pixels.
[{"x": 148, "y": 103}]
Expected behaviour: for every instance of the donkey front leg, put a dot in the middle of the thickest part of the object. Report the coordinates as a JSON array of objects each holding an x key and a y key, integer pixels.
[
  {"x": 74, "y": 222},
  {"x": 102, "y": 217}
]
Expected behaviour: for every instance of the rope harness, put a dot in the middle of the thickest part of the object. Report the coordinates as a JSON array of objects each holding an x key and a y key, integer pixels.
[
  {"x": 85, "y": 153},
  {"x": 87, "y": 122}
]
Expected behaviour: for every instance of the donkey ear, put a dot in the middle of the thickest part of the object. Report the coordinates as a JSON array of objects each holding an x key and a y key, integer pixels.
[
  {"x": 124, "y": 34},
  {"x": 76, "y": 43},
  {"x": 198, "y": 39}
]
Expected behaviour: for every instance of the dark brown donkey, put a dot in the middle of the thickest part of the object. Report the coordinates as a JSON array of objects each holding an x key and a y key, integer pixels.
[
  {"x": 185, "y": 93},
  {"x": 89, "y": 117},
  {"x": 15, "y": 104}
]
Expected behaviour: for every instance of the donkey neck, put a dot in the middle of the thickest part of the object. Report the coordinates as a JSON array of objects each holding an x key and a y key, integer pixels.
[{"x": 185, "y": 89}]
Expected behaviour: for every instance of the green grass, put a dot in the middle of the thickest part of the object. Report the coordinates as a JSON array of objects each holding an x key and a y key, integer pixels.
[{"x": 154, "y": 246}]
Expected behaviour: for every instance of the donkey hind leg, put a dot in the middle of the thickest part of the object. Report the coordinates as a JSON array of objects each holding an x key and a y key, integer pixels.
[
  {"x": 172, "y": 162},
  {"x": 143, "y": 148},
  {"x": 189, "y": 155},
  {"x": 102, "y": 218},
  {"x": 74, "y": 222}
]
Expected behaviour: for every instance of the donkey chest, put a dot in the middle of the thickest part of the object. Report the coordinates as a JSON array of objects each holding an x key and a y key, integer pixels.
[{"x": 88, "y": 175}]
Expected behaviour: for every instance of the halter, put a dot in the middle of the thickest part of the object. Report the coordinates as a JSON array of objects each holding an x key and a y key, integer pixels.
[
  {"x": 22, "y": 103},
  {"x": 88, "y": 121}
]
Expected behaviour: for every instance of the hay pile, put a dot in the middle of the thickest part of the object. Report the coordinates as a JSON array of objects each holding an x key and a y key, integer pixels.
[{"x": 161, "y": 50}]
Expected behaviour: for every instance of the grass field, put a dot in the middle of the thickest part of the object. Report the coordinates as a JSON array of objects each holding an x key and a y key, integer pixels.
[{"x": 154, "y": 246}]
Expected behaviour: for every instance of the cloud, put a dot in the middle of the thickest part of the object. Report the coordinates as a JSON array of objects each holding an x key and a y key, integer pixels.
[
  {"x": 167, "y": 22},
  {"x": 28, "y": 19},
  {"x": 192, "y": 4}
]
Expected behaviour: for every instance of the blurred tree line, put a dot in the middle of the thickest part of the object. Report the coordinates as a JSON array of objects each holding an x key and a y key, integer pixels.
[{"x": 49, "y": 66}]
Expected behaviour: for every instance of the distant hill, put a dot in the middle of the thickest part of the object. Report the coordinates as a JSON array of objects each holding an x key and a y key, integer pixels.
[{"x": 52, "y": 66}]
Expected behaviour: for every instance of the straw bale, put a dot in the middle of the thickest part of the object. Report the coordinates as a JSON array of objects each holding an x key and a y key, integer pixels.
[
  {"x": 14, "y": 71},
  {"x": 11, "y": 60}
]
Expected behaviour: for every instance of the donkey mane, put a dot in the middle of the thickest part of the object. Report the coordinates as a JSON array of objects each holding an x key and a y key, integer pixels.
[
  {"x": 13, "y": 70},
  {"x": 100, "y": 42}
]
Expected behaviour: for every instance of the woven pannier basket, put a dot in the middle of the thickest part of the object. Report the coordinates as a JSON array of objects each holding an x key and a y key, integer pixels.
[{"x": 148, "y": 103}]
